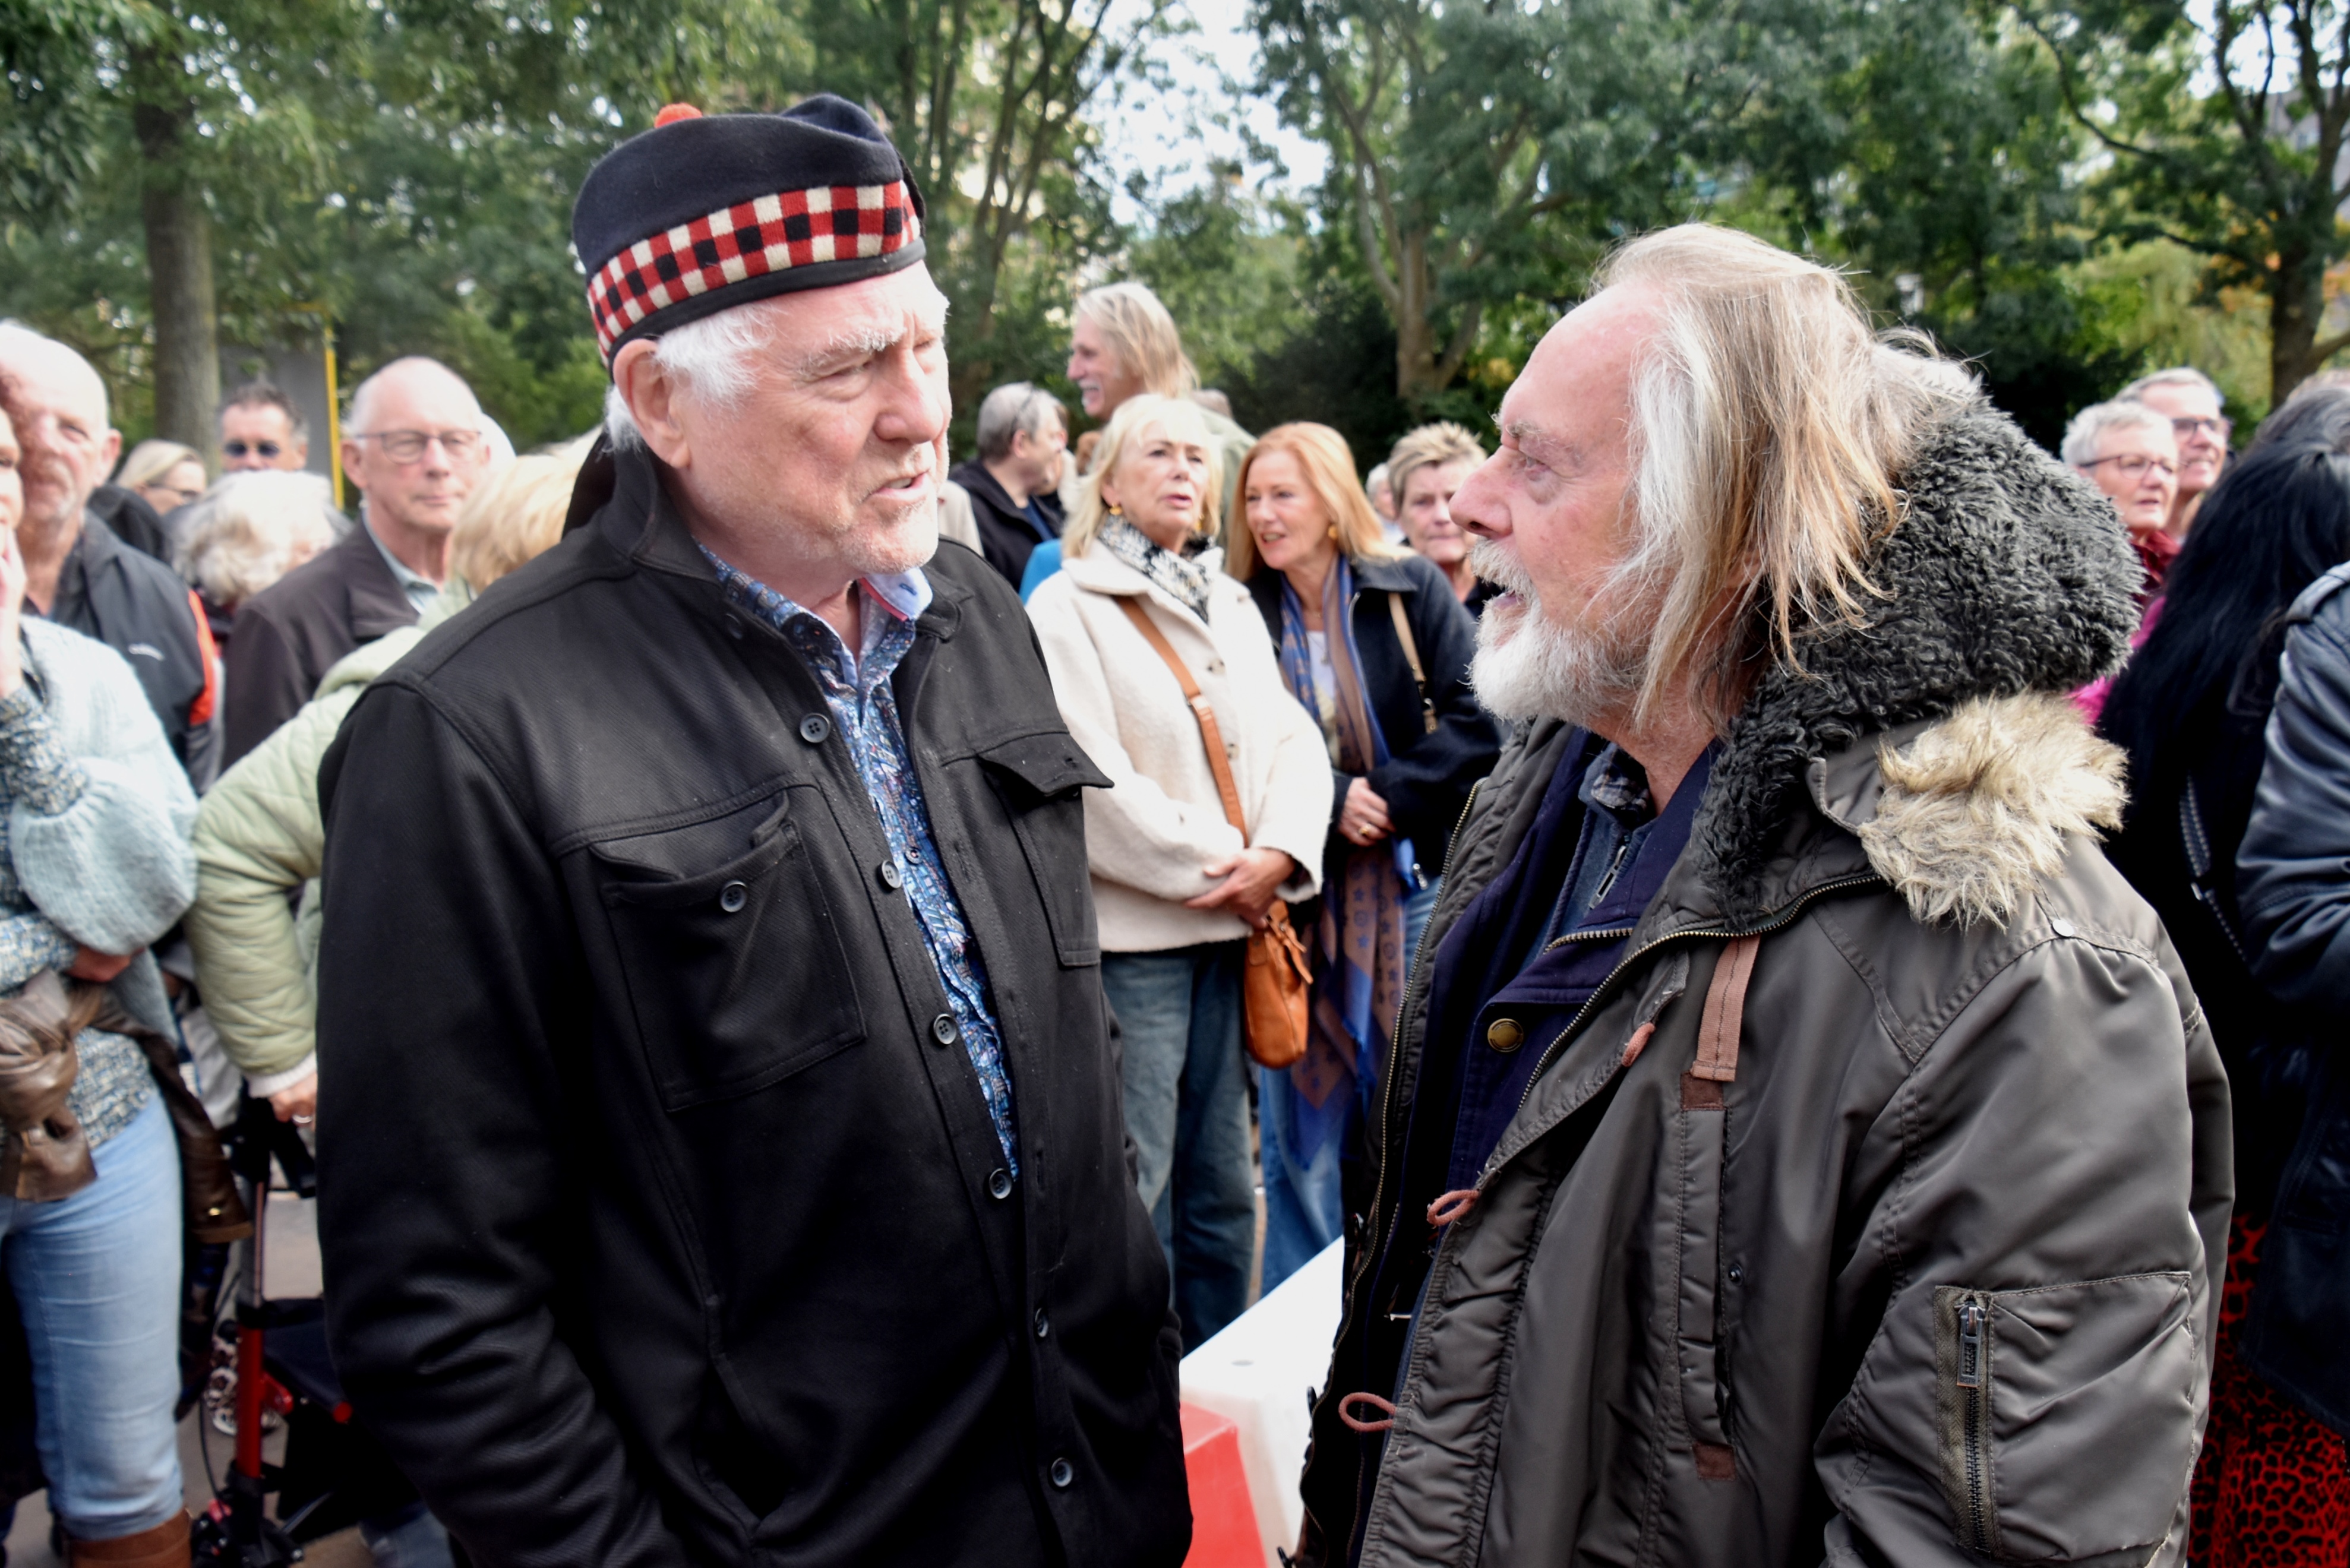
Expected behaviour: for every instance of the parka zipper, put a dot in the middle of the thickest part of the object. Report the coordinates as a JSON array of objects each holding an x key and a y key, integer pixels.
[{"x": 1973, "y": 1381}]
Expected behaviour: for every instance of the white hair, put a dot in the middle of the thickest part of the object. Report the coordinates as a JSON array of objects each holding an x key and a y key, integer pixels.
[
  {"x": 2177, "y": 376},
  {"x": 2087, "y": 431},
  {"x": 711, "y": 359},
  {"x": 251, "y": 529}
]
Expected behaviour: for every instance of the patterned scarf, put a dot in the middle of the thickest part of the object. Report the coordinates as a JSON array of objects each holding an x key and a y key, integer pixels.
[
  {"x": 1185, "y": 581},
  {"x": 1358, "y": 967}
]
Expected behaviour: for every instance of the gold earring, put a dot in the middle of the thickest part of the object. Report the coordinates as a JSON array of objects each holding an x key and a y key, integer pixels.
[
  {"x": 1334, "y": 530},
  {"x": 1115, "y": 510}
]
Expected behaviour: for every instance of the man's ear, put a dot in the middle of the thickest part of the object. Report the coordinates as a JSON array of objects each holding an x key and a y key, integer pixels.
[{"x": 652, "y": 397}]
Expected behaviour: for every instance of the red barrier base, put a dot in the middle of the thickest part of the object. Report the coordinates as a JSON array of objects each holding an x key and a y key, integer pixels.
[{"x": 1223, "y": 1520}]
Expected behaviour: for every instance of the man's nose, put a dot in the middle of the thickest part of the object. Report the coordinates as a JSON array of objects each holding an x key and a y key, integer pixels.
[{"x": 917, "y": 412}]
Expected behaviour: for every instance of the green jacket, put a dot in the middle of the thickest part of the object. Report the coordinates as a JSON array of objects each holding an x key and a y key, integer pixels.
[{"x": 258, "y": 841}]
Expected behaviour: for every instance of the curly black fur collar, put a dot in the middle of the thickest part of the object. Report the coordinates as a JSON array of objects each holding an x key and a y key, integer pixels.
[{"x": 2008, "y": 573}]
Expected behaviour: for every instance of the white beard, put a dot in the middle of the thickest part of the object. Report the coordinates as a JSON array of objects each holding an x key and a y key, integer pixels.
[{"x": 1529, "y": 667}]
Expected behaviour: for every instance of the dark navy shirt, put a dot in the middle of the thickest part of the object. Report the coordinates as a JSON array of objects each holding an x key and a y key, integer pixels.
[{"x": 1614, "y": 868}]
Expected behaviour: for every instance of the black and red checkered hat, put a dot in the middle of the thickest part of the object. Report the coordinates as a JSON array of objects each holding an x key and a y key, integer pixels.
[{"x": 703, "y": 213}]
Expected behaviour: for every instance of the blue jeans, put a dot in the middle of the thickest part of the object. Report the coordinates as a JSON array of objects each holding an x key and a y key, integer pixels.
[
  {"x": 1187, "y": 1109},
  {"x": 97, "y": 1277},
  {"x": 1305, "y": 1205},
  {"x": 1304, "y": 1209}
]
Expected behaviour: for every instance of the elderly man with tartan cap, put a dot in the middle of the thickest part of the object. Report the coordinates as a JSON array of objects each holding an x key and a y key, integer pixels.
[{"x": 722, "y": 1159}]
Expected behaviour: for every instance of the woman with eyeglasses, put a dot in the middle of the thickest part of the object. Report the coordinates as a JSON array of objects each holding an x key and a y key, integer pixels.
[
  {"x": 163, "y": 473},
  {"x": 2129, "y": 452}
]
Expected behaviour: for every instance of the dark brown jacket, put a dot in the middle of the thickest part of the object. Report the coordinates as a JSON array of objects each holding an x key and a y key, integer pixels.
[
  {"x": 1931, "y": 1278},
  {"x": 288, "y": 635}
]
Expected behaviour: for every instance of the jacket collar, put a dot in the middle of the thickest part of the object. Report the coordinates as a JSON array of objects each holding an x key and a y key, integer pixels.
[
  {"x": 1099, "y": 571},
  {"x": 635, "y": 515},
  {"x": 378, "y": 602},
  {"x": 1370, "y": 572}
]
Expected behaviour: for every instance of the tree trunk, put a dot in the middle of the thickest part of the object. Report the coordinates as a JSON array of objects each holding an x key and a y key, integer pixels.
[
  {"x": 179, "y": 226},
  {"x": 2296, "y": 290},
  {"x": 187, "y": 317}
]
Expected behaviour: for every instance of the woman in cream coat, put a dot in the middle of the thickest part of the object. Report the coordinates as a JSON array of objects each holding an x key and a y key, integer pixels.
[{"x": 1177, "y": 886}]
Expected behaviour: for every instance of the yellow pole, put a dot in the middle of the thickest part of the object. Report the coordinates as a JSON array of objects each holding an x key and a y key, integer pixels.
[{"x": 334, "y": 400}]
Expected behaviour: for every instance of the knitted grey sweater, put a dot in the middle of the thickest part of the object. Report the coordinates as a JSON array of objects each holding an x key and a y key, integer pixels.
[{"x": 97, "y": 816}]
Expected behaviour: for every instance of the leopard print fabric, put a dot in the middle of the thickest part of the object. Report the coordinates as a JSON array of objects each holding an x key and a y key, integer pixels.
[{"x": 2273, "y": 1485}]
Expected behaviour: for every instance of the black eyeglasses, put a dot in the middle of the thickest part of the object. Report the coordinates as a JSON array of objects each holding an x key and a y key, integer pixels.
[
  {"x": 266, "y": 450},
  {"x": 407, "y": 446}
]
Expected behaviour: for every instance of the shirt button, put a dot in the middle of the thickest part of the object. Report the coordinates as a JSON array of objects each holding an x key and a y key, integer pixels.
[
  {"x": 892, "y": 878},
  {"x": 999, "y": 1184},
  {"x": 1044, "y": 1324},
  {"x": 815, "y": 727},
  {"x": 1505, "y": 1034},
  {"x": 1063, "y": 1473},
  {"x": 733, "y": 897},
  {"x": 942, "y": 1029}
]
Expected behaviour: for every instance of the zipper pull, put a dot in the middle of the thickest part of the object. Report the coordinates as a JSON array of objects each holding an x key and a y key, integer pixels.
[{"x": 1971, "y": 1344}]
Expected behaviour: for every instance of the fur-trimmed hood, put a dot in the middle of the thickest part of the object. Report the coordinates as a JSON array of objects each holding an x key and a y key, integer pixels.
[{"x": 2007, "y": 584}]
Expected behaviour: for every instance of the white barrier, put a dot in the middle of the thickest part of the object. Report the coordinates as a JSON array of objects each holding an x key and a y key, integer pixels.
[{"x": 1256, "y": 1373}]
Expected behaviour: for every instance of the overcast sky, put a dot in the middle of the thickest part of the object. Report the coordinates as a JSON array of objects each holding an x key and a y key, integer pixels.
[{"x": 1172, "y": 140}]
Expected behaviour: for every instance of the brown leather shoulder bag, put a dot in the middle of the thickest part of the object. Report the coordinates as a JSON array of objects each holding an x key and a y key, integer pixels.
[{"x": 1274, "y": 997}]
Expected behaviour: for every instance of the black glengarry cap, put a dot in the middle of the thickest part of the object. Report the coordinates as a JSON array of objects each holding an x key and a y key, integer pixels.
[{"x": 702, "y": 213}]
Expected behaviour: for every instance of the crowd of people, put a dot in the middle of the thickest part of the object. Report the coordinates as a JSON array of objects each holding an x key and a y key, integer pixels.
[{"x": 1824, "y": 927}]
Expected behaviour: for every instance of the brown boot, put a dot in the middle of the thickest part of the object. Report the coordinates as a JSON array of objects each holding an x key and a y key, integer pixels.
[{"x": 165, "y": 1546}]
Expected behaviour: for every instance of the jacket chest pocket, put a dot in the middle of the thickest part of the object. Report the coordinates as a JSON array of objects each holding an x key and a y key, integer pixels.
[
  {"x": 737, "y": 973},
  {"x": 1041, "y": 780}
]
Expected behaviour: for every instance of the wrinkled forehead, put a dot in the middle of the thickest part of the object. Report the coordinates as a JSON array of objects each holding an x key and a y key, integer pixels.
[
  {"x": 2181, "y": 399},
  {"x": 850, "y": 320},
  {"x": 52, "y": 379},
  {"x": 2137, "y": 441}
]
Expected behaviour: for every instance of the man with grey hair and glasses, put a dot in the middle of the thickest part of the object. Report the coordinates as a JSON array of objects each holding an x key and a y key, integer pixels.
[
  {"x": 1022, "y": 434},
  {"x": 721, "y": 1151},
  {"x": 2192, "y": 402},
  {"x": 416, "y": 445},
  {"x": 1799, "y": 1144}
]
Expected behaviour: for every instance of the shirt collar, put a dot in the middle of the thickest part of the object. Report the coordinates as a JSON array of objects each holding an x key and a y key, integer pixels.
[
  {"x": 1618, "y": 784},
  {"x": 420, "y": 589}
]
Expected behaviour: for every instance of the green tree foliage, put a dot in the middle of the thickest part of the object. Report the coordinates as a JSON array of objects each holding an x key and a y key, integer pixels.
[{"x": 2225, "y": 121}]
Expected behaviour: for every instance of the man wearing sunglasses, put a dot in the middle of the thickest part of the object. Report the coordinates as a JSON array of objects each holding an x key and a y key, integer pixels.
[
  {"x": 260, "y": 428},
  {"x": 415, "y": 447}
]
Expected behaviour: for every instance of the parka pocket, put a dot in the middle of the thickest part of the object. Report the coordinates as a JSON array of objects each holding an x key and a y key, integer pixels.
[
  {"x": 2066, "y": 1415},
  {"x": 1040, "y": 779},
  {"x": 737, "y": 973}
]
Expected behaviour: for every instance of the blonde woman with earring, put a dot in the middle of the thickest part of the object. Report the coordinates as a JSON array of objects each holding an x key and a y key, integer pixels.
[
  {"x": 1177, "y": 886},
  {"x": 1375, "y": 647}
]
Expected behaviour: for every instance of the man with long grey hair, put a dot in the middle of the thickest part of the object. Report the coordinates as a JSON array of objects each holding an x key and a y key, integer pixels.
[
  {"x": 719, "y": 1132},
  {"x": 1800, "y": 1144}
]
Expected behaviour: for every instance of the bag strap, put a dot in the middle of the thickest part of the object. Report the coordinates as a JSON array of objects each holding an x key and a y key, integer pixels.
[
  {"x": 1411, "y": 657},
  {"x": 1212, "y": 736}
]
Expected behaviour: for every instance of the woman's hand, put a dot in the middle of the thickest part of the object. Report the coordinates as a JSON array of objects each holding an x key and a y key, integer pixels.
[
  {"x": 1249, "y": 880},
  {"x": 12, "y": 614},
  {"x": 93, "y": 965},
  {"x": 1363, "y": 819},
  {"x": 297, "y": 1103}
]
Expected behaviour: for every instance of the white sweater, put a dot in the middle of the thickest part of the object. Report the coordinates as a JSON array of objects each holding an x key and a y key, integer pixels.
[{"x": 1148, "y": 838}]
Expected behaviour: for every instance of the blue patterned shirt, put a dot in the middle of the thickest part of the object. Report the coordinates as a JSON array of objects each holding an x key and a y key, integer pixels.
[{"x": 857, "y": 691}]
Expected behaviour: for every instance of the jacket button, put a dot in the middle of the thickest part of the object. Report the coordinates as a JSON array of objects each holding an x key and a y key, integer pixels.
[
  {"x": 734, "y": 629},
  {"x": 1737, "y": 1275},
  {"x": 892, "y": 878},
  {"x": 1063, "y": 1473},
  {"x": 815, "y": 727},
  {"x": 2063, "y": 928},
  {"x": 999, "y": 1184},
  {"x": 1505, "y": 1034},
  {"x": 942, "y": 1029},
  {"x": 1044, "y": 1324},
  {"x": 733, "y": 897}
]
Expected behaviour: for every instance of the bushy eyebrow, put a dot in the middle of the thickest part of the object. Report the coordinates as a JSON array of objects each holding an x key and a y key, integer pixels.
[
  {"x": 1534, "y": 442},
  {"x": 866, "y": 341}
]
